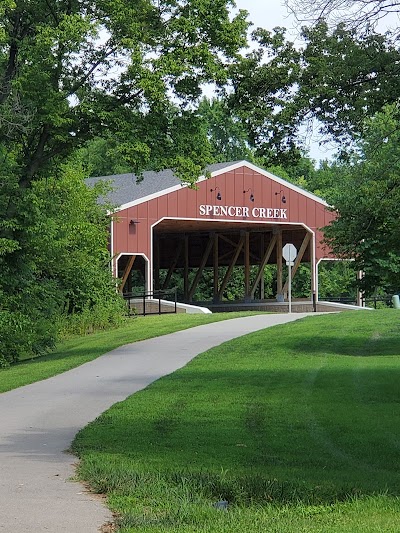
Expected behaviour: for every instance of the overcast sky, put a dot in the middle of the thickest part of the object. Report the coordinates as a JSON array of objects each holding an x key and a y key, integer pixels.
[
  {"x": 271, "y": 13},
  {"x": 267, "y": 13}
]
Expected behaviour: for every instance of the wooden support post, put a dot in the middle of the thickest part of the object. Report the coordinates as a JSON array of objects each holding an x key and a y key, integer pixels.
[
  {"x": 216, "y": 269},
  {"x": 230, "y": 268},
  {"x": 313, "y": 268},
  {"x": 156, "y": 263},
  {"x": 127, "y": 271},
  {"x": 201, "y": 267},
  {"x": 279, "y": 267},
  {"x": 172, "y": 266},
  {"x": 298, "y": 259},
  {"x": 247, "y": 266},
  {"x": 186, "y": 268},
  {"x": 264, "y": 261}
]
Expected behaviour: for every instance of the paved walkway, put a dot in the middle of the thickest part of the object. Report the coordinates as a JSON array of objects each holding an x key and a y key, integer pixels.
[{"x": 39, "y": 421}]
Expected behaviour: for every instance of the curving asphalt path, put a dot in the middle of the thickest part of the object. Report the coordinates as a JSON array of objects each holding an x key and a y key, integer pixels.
[{"x": 39, "y": 421}]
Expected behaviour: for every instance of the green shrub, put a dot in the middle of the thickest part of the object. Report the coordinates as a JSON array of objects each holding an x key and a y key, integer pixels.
[
  {"x": 23, "y": 336},
  {"x": 100, "y": 316}
]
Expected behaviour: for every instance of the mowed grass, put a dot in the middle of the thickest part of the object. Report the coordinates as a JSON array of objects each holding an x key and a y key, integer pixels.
[
  {"x": 296, "y": 427},
  {"x": 78, "y": 350}
]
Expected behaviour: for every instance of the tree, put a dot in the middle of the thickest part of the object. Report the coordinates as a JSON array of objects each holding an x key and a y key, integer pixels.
[
  {"x": 69, "y": 72},
  {"x": 366, "y": 198},
  {"x": 262, "y": 96},
  {"x": 178, "y": 139},
  {"x": 68, "y": 233},
  {"x": 354, "y": 13},
  {"x": 346, "y": 78},
  {"x": 73, "y": 69},
  {"x": 66, "y": 271},
  {"x": 226, "y": 133},
  {"x": 331, "y": 84}
]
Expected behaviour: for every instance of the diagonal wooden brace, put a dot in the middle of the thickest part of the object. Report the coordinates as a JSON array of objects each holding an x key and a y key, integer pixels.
[
  {"x": 264, "y": 261},
  {"x": 201, "y": 267},
  {"x": 230, "y": 268},
  {"x": 127, "y": 271}
]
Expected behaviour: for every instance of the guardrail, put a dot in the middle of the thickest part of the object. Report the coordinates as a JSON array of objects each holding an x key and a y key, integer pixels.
[
  {"x": 375, "y": 301},
  {"x": 151, "y": 303},
  {"x": 370, "y": 301}
]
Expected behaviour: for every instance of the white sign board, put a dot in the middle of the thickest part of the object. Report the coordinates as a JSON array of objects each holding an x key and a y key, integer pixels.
[{"x": 289, "y": 252}]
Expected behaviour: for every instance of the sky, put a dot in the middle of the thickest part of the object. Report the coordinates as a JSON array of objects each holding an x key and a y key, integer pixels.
[
  {"x": 267, "y": 13},
  {"x": 271, "y": 13}
]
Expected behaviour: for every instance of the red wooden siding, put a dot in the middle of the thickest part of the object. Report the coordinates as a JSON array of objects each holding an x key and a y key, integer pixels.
[{"x": 184, "y": 204}]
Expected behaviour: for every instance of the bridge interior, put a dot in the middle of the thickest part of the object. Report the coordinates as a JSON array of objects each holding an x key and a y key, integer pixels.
[{"x": 181, "y": 246}]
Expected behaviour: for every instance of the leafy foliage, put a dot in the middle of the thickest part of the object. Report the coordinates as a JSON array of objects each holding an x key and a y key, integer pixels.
[
  {"x": 346, "y": 78},
  {"x": 66, "y": 271},
  {"x": 70, "y": 71},
  {"x": 330, "y": 84},
  {"x": 367, "y": 226},
  {"x": 225, "y": 132},
  {"x": 262, "y": 95}
]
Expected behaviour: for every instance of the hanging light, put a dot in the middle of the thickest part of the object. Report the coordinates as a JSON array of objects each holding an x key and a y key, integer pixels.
[
  {"x": 251, "y": 197},
  {"x": 219, "y": 197}
]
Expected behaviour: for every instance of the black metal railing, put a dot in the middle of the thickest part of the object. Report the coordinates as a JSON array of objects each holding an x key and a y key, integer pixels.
[
  {"x": 369, "y": 301},
  {"x": 349, "y": 300},
  {"x": 151, "y": 303},
  {"x": 379, "y": 301}
]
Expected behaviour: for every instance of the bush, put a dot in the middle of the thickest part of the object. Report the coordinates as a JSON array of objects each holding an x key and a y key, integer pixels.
[
  {"x": 100, "y": 316},
  {"x": 23, "y": 336}
]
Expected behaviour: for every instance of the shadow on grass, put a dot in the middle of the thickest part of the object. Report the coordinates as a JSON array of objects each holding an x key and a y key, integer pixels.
[
  {"x": 83, "y": 351},
  {"x": 356, "y": 345},
  {"x": 310, "y": 435}
]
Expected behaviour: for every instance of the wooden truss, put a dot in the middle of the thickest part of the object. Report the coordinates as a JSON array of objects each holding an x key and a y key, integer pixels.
[{"x": 245, "y": 247}]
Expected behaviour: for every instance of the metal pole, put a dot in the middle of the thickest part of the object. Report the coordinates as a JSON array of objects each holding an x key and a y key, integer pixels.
[
  {"x": 290, "y": 284},
  {"x": 290, "y": 280}
]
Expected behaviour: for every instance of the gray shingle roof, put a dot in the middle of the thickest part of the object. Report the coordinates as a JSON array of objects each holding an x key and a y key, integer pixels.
[
  {"x": 220, "y": 166},
  {"x": 125, "y": 188}
]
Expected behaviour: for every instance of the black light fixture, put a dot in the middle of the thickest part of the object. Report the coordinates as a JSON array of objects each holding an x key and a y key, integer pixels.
[
  {"x": 132, "y": 222},
  {"x": 251, "y": 194},
  {"x": 219, "y": 197},
  {"x": 283, "y": 197}
]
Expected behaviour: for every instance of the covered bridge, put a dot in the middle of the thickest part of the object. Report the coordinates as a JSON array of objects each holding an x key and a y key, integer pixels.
[{"x": 241, "y": 215}]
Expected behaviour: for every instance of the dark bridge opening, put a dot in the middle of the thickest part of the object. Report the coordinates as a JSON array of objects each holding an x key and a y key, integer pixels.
[{"x": 187, "y": 252}]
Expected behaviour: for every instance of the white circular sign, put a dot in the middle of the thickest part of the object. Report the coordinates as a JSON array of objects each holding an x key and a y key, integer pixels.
[{"x": 289, "y": 252}]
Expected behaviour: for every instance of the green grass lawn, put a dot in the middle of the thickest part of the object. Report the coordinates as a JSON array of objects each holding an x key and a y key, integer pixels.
[
  {"x": 296, "y": 427},
  {"x": 77, "y": 350}
]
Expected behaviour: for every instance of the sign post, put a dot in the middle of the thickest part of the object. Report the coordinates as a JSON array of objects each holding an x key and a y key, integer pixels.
[{"x": 289, "y": 252}]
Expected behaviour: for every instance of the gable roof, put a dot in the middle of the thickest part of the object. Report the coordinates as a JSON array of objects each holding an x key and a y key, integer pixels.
[
  {"x": 126, "y": 187},
  {"x": 127, "y": 191}
]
